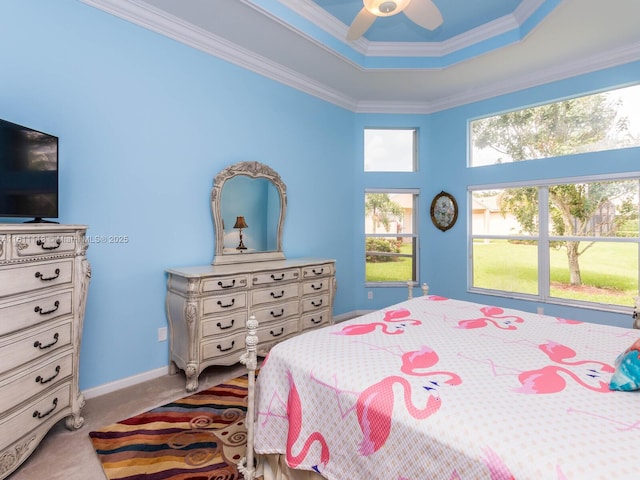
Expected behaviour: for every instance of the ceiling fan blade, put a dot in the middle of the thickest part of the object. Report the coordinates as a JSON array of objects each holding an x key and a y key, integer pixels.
[
  {"x": 424, "y": 13},
  {"x": 360, "y": 24}
]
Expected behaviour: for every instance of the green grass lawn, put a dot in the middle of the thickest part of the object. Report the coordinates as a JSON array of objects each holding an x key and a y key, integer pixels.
[
  {"x": 609, "y": 271},
  {"x": 397, "y": 271}
]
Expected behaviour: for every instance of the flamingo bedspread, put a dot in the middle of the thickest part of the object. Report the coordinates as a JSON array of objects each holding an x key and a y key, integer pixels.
[{"x": 436, "y": 388}]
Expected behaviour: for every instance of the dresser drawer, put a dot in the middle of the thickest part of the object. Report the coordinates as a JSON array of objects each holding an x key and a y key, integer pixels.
[
  {"x": 320, "y": 285},
  {"x": 34, "y": 245},
  {"x": 35, "y": 414},
  {"x": 275, "y": 293},
  {"x": 275, "y": 276},
  {"x": 315, "y": 303},
  {"x": 221, "y": 325},
  {"x": 29, "y": 382},
  {"x": 26, "y": 278},
  {"x": 33, "y": 344},
  {"x": 315, "y": 319},
  {"x": 18, "y": 315},
  {"x": 223, "y": 346},
  {"x": 224, "y": 303},
  {"x": 314, "y": 271},
  {"x": 219, "y": 284},
  {"x": 276, "y": 312},
  {"x": 277, "y": 332}
]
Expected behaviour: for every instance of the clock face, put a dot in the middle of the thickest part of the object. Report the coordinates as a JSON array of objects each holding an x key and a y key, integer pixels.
[{"x": 444, "y": 211}]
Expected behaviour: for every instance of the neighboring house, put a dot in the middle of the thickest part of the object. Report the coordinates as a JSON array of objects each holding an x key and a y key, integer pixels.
[{"x": 488, "y": 219}]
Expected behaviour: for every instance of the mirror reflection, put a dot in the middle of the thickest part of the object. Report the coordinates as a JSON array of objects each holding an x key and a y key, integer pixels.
[
  {"x": 257, "y": 201},
  {"x": 248, "y": 205}
]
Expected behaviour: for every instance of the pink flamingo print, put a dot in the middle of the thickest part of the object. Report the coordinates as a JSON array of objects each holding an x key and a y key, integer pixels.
[
  {"x": 416, "y": 360},
  {"x": 395, "y": 325},
  {"x": 560, "y": 353},
  {"x": 567, "y": 321},
  {"x": 548, "y": 379},
  {"x": 375, "y": 406},
  {"x": 497, "y": 469},
  {"x": 436, "y": 298},
  {"x": 494, "y": 313},
  {"x": 294, "y": 412}
]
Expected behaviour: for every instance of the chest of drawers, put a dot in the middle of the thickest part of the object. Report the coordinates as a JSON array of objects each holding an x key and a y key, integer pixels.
[
  {"x": 44, "y": 277},
  {"x": 207, "y": 308}
]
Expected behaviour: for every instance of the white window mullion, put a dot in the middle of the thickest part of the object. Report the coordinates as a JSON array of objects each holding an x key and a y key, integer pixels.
[{"x": 544, "y": 275}]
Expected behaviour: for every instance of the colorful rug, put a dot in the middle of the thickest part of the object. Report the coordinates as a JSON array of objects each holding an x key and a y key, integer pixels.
[{"x": 199, "y": 437}]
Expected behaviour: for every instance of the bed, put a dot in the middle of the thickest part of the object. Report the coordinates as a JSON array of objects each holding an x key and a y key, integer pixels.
[{"x": 438, "y": 388}]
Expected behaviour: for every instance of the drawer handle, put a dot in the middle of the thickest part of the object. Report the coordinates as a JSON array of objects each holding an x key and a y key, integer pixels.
[
  {"x": 46, "y": 279},
  {"x": 233, "y": 300},
  {"x": 273, "y": 277},
  {"x": 276, "y": 315},
  {"x": 39, "y": 415},
  {"x": 226, "y": 327},
  {"x": 41, "y": 244},
  {"x": 233, "y": 283},
  {"x": 277, "y": 334},
  {"x": 319, "y": 320},
  {"x": 278, "y": 296},
  {"x": 47, "y": 312},
  {"x": 39, "y": 345},
  {"x": 42, "y": 381},
  {"x": 313, "y": 302},
  {"x": 233, "y": 342},
  {"x": 313, "y": 286},
  {"x": 318, "y": 272}
]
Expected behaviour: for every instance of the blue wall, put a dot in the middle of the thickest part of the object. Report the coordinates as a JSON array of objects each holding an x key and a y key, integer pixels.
[
  {"x": 145, "y": 124},
  {"x": 443, "y": 166}
]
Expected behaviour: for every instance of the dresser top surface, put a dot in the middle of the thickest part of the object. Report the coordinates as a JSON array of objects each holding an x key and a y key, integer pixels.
[
  {"x": 38, "y": 227},
  {"x": 249, "y": 267}
]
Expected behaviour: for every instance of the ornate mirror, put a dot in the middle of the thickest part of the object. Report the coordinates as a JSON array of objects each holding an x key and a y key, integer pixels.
[{"x": 248, "y": 204}]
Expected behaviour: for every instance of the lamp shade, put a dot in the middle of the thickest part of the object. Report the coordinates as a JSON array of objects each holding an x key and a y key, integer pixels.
[{"x": 240, "y": 223}]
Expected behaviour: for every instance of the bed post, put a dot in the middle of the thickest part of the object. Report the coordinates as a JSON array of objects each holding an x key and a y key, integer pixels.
[
  {"x": 636, "y": 313},
  {"x": 425, "y": 289},
  {"x": 246, "y": 465}
]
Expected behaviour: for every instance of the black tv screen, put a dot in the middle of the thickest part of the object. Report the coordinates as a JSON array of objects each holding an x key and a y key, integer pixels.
[{"x": 28, "y": 172}]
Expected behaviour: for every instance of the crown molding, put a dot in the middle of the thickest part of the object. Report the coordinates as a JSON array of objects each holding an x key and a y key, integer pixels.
[
  {"x": 159, "y": 21},
  {"x": 601, "y": 61},
  {"x": 312, "y": 12}
]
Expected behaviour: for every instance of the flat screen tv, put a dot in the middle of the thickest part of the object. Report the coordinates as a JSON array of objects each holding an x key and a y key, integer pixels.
[{"x": 28, "y": 173}]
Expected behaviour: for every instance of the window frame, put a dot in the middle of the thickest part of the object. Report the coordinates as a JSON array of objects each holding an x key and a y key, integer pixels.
[
  {"x": 415, "y": 235},
  {"x": 414, "y": 150},
  {"x": 544, "y": 239}
]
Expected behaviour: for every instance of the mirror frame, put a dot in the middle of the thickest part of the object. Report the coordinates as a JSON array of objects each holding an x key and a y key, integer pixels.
[{"x": 253, "y": 170}]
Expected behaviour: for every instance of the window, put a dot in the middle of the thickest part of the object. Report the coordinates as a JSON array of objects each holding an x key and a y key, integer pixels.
[
  {"x": 603, "y": 121},
  {"x": 571, "y": 243},
  {"x": 391, "y": 242},
  {"x": 390, "y": 150}
]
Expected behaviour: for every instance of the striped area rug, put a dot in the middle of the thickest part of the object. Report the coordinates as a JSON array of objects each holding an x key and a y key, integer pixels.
[{"x": 199, "y": 437}]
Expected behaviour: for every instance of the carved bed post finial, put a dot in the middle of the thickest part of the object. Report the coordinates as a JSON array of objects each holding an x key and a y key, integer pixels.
[
  {"x": 425, "y": 289},
  {"x": 246, "y": 466},
  {"x": 636, "y": 313},
  {"x": 410, "y": 287}
]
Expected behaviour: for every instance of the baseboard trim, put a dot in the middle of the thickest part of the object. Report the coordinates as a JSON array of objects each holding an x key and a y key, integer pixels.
[
  {"x": 159, "y": 372},
  {"x": 125, "y": 382}
]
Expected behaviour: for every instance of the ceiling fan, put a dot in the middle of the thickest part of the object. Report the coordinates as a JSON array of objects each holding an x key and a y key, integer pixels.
[{"x": 422, "y": 12}]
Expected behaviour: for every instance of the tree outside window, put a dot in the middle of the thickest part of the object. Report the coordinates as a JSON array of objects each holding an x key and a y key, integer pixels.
[{"x": 390, "y": 241}]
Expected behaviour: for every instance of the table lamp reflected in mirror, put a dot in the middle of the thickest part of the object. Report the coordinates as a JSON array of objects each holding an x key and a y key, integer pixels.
[{"x": 240, "y": 224}]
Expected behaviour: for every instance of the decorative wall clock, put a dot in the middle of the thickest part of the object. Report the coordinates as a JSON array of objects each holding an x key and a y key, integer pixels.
[{"x": 444, "y": 211}]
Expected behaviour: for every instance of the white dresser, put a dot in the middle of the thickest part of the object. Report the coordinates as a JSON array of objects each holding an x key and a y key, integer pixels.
[
  {"x": 44, "y": 276},
  {"x": 208, "y": 307}
]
